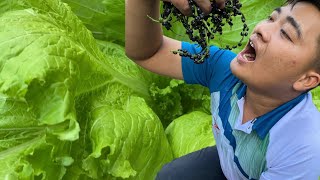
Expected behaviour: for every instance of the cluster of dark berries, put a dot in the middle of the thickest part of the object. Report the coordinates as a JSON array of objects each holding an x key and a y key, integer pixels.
[{"x": 201, "y": 27}]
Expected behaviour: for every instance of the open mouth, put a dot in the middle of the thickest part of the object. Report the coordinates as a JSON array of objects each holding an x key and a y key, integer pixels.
[{"x": 249, "y": 53}]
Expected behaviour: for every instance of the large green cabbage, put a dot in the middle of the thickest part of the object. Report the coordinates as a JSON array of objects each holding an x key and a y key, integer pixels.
[
  {"x": 67, "y": 109},
  {"x": 73, "y": 106},
  {"x": 190, "y": 132}
]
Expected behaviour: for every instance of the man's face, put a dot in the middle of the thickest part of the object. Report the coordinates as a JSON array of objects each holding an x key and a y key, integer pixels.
[{"x": 281, "y": 49}]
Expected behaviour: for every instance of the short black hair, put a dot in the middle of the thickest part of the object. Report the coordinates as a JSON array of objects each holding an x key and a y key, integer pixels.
[
  {"x": 316, "y": 3},
  {"x": 313, "y": 2}
]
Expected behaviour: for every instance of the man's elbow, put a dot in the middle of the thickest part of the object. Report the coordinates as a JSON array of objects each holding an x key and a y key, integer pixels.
[
  {"x": 140, "y": 53},
  {"x": 133, "y": 55}
]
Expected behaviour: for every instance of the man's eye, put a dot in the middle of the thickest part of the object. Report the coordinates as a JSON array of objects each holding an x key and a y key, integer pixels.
[{"x": 284, "y": 33}]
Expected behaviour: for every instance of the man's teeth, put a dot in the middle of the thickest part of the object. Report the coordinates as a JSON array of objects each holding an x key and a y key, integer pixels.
[
  {"x": 246, "y": 56},
  {"x": 251, "y": 44},
  {"x": 249, "y": 57}
]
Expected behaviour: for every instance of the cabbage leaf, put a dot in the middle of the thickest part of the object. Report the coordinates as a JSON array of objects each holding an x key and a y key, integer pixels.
[
  {"x": 60, "y": 95},
  {"x": 190, "y": 132},
  {"x": 316, "y": 97}
]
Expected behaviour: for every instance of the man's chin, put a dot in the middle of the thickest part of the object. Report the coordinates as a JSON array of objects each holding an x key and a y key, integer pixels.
[
  {"x": 237, "y": 71},
  {"x": 234, "y": 68}
]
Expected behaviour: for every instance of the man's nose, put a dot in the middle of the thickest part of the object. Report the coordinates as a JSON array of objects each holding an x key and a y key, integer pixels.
[{"x": 265, "y": 30}]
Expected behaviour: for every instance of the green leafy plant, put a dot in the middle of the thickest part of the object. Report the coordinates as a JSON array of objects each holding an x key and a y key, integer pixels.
[
  {"x": 73, "y": 106},
  {"x": 67, "y": 109},
  {"x": 316, "y": 97}
]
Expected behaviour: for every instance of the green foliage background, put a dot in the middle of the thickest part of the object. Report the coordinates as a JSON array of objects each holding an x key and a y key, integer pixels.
[{"x": 73, "y": 106}]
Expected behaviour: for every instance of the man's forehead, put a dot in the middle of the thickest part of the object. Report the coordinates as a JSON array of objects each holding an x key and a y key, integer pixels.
[{"x": 304, "y": 15}]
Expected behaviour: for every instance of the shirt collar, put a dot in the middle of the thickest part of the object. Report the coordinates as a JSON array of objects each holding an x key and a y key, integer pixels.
[{"x": 264, "y": 123}]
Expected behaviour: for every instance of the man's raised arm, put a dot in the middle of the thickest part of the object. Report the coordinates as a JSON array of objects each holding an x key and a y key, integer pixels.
[{"x": 145, "y": 43}]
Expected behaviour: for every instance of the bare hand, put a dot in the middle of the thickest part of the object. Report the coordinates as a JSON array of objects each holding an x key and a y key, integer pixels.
[{"x": 205, "y": 5}]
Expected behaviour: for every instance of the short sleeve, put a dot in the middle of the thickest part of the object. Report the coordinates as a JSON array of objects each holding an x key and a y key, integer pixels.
[{"x": 213, "y": 72}]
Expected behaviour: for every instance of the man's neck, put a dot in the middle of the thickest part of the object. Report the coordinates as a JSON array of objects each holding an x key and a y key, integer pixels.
[{"x": 256, "y": 104}]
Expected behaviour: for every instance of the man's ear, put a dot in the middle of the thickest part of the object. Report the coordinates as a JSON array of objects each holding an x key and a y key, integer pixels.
[{"x": 307, "y": 81}]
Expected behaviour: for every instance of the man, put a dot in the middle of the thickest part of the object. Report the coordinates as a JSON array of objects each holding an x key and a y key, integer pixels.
[{"x": 264, "y": 122}]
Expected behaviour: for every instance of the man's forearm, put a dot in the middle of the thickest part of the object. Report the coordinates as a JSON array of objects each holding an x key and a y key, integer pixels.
[{"x": 143, "y": 36}]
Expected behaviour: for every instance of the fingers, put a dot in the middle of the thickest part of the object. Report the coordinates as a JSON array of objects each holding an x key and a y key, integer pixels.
[
  {"x": 205, "y": 5},
  {"x": 182, "y": 5},
  {"x": 221, "y": 3}
]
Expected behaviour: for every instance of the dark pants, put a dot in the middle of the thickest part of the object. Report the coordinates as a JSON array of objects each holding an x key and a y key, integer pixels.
[{"x": 200, "y": 165}]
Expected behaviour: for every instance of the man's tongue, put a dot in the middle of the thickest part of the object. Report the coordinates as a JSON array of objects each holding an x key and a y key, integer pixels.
[{"x": 249, "y": 56}]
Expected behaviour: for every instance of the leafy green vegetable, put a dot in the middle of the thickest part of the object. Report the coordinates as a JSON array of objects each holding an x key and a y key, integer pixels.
[
  {"x": 105, "y": 18},
  {"x": 316, "y": 97},
  {"x": 66, "y": 108},
  {"x": 139, "y": 133},
  {"x": 74, "y": 107},
  {"x": 190, "y": 132},
  {"x": 177, "y": 99}
]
